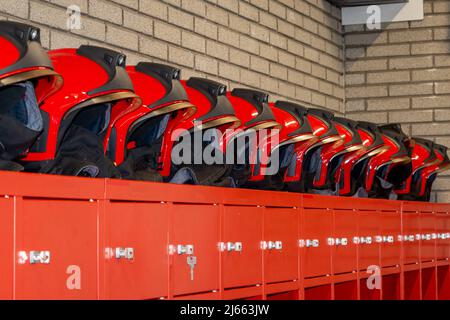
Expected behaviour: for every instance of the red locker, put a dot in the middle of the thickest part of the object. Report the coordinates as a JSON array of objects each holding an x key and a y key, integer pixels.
[
  {"x": 196, "y": 228},
  {"x": 241, "y": 246},
  {"x": 368, "y": 248},
  {"x": 56, "y": 243},
  {"x": 427, "y": 236},
  {"x": 410, "y": 234},
  {"x": 280, "y": 244},
  {"x": 317, "y": 227},
  {"x": 136, "y": 250},
  {"x": 443, "y": 235},
  {"x": 344, "y": 248},
  {"x": 390, "y": 230},
  {"x": 6, "y": 247}
]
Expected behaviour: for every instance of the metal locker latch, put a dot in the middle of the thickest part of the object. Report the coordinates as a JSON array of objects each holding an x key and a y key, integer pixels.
[
  {"x": 356, "y": 240},
  {"x": 124, "y": 253},
  {"x": 330, "y": 241},
  {"x": 278, "y": 245},
  {"x": 185, "y": 249},
  {"x": 270, "y": 245},
  {"x": 312, "y": 243},
  {"x": 234, "y": 246},
  {"x": 238, "y": 246},
  {"x": 42, "y": 257},
  {"x": 378, "y": 239},
  {"x": 433, "y": 236},
  {"x": 428, "y": 236},
  {"x": 411, "y": 238}
]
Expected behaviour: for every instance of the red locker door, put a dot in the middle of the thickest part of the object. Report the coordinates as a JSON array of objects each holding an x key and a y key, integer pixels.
[
  {"x": 317, "y": 227},
  {"x": 344, "y": 249},
  {"x": 368, "y": 229},
  {"x": 281, "y": 244},
  {"x": 56, "y": 242},
  {"x": 442, "y": 233},
  {"x": 6, "y": 247},
  {"x": 411, "y": 229},
  {"x": 195, "y": 225},
  {"x": 427, "y": 243},
  {"x": 241, "y": 240},
  {"x": 136, "y": 247},
  {"x": 390, "y": 246}
]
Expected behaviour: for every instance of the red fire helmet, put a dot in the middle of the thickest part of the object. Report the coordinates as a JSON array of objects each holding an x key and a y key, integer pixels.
[
  {"x": 388, "y": 169},
  {"x": 350, "y": 174},
  {"x": 164, "y": 104},
  {"x": 257, "y": 121},
  {"x": 428, "y": 175},
  {"x": 213, "y": 111},
  {"x": 280, "y": 144},
  {"x": 27, "y": 78},
  {"x": 93, "y": 76}
]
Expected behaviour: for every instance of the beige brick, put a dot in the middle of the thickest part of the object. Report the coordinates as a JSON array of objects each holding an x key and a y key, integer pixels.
[
  {"x": 258, "y": 64},
  {"x": 442, "y": 184},
  {"x": 302, "y": 36},
  {"x": 262, "y": 4},
  {"x": 303, "y": 65},
  {"x": 410, "y": 35},
  {"x": 286, "y": 90},
  {"x": 206, "y": 64},
  {"x": 229, "y": 37},
  {"x": 248, "y": 11},
  {"x": 377, "y": 117},
  {"x": 258, "y": 32},
  {"x": 311, "y": 54},
  {"x": 332, "y": 103},
  {"x": 389, "y": 50},
  {"x": 277, "y": 9},
  {"x": 278, "y": 71},
  {"x": 293, "y": 17},
  {"x": 239, "y": 57},
  {"x": 310, "y": 25},
  {"x": 128, "y": 3},
  {"x": 268, "y": 52},
  {"x": 17, "y": 8},
  {"x": 65, "y": 40},
  {"x": 430, "y": 48},
  {"x": 138, "y": 22},
  {"x": 442, "y": 61},
  {"x": 432, "y": 21},
  {"x": 167, "y": 32},
  {"x": 82, "y": 4},
  {"x": 330, "y": 62},
  {"x": 105, "y": 11},
  {"x": 431, "y": 129},
  {"x": 249, "y": 44},
  {"x": 122, "y": 38},
  {"x": 442, "y": 87},
  {"x": 250, "y": 78},
  {"x": 442, "y": 114},
  {"x": 388, "y": 104},
  {"x": 205, "y": 28},
  {"x": 318, "y": 99},
  {"x": 311, "y": 83},
  {"x": 217, "y": 50},
  {"x": 239, "y": 24},
  {"x": 269, "y": 84},
  {"x": 181, "y": 57},
  {"x": 286, "y": 28},
  {"x": 180, "y": 18},
  {"x": 303, "y": 94},
  {"x": 388, "y": 76},
  {"x": 333, "y": 76},
  {"x": 217, "y": 15},
  {"x": 334, "y": 50},
  {"x": 154, "y": 8},
  {"x": 196, "y": 6},
  {"x": 355, "y": 78},
  {"x": 278, "y": 40},
  {"x": 296, "y": 77},
  {"x": 48, "y": 15},
  {"x": 431, "y": 74},
  {"x": 411, "y": 116},
  {"x": 441, "y": 6},
  {"x": 92, "y": 28},
  {"x": 410, "y": 89},
  {"x": 355, "y": 105},
  {"x": 192, "y": 41},
  {"x": 318, "y": 43},
  {"x": 441, "y": 34},
  {"x": 229, "y": 71},
  {"x": 319, "y": 71},
  {"x": 298, "y": 49},
  {"x": 232, "y": 5},
  {"x": 443, "y": 197},
  {"x": 153, "y": 47},
  {"x": 267, "y": 20},
  {"x": 411, "y": 62},
  {"x": 326, "y": 87},
  {"x": 366, "y": 91},
  {"x": 286, "y": 59},
  {"x": 338, "y": 92},
  {"x": 366, "y": 65},
  {"x": 366, "y": 39},
  {"x": 441, "y": 101}
]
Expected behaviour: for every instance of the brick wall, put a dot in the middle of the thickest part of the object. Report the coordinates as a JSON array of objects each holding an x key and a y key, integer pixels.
[
  {"x": 402, "y": 74},
  {"x": 290, "y": 48}
]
